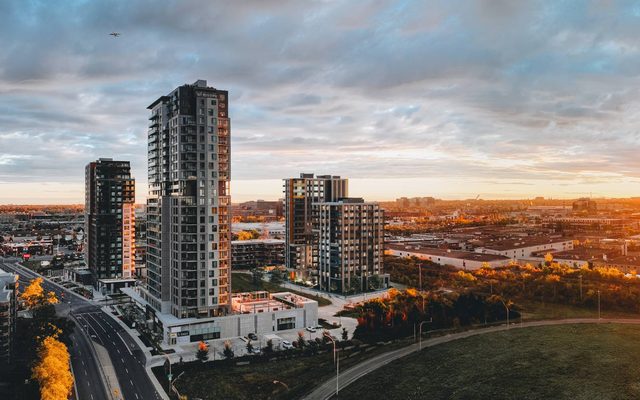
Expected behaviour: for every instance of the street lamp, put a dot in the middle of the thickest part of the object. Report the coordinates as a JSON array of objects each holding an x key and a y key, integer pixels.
[
  {"x": 336, "y": 360},
  {"x": 598, "y": 304},
  {"x": 420, "y": 331},
  {"x": 169, "y": 376},
  {"x": 507, "y": 308}
]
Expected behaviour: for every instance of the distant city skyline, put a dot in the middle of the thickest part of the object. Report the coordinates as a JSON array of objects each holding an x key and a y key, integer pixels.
[{"x": 497, "y": 98}]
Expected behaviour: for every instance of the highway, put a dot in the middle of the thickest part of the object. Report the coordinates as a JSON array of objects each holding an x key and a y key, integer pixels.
[
  {"x": 327, "y": 390},
  {"x": 93, "y": 324}
]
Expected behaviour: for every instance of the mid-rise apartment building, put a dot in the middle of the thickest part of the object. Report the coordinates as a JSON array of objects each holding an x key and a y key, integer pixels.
[
  {"x": 110, "y": 219},
  {"x": 248, "y": 254},
  {"x": 8, "y": 313},
  {"x": 350, "y": 245},
  {"x": 188, "y": 218},
  {"x": 301, "y": 251}
]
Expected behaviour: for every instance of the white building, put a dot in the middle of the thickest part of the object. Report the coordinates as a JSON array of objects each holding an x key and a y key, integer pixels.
[
  {"x": 255, "y": 312},
  {"x": 524, "y": 248},
  {"x": 455, "y": 258}
]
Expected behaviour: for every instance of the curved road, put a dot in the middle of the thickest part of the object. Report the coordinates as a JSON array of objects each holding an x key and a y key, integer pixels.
[
  {"x": 328, "y": 389},
  {"x": 127, "y": 359}
]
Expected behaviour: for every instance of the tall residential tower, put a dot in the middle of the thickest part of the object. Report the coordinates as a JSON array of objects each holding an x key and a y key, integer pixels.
[
  {"x": 301, "y": 251},
  {"x": 110, "y": 219},
  {"x": 188, "y": 219}
]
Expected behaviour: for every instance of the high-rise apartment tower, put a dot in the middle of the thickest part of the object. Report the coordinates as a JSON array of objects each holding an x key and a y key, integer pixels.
[
  {"x": 188, "y": 219},
  {"x": 110, "y": 219}
]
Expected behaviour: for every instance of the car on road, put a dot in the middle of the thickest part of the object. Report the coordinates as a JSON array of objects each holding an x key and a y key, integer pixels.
[
  {"x": 310, "y": 329},
  {"x": 252, "y": 336},
  {"x": 286, "y": 345}
]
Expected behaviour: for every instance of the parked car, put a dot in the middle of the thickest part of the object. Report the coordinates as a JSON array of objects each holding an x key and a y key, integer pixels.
[
  {"x": 252, "y": 336},
  {"x": 286, "y": 345},
  {"x": 310, "y": 329}
]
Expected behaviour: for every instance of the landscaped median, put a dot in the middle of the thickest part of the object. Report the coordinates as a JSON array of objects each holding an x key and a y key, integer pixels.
[{"x": 280, "y": 375}]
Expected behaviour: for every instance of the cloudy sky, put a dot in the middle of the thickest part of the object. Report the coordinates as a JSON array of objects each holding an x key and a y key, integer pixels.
[{"x": 445, "y": 98}]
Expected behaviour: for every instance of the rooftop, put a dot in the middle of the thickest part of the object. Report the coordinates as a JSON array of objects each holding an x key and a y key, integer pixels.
[
  {"x": 523, "y": 242},
  {"x": 462, "y": 255}
]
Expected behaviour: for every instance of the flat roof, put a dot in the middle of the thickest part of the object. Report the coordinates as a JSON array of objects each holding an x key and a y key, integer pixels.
[
  {"x": 522, "y": 242},
  {"x": 459, "y": 254}
]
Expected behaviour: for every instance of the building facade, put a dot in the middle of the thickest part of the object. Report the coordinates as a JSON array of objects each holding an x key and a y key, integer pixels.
[
  {"x": 110, "y": 219},
  {"x": 350, "y": 245},
  {"x": 301, "y": 251},
  {"x": 248, "y": 254},
  {"x": 8, "y": 314},
  {"x": 188, "y": 218}
]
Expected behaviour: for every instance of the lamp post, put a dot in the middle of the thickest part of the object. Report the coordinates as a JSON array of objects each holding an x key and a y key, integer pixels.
[
  {"x": 598, "y": 304},
  {"x": 507, "y": 308},
  {"x": 169, "y": 376},
  {"x": 336, "y": 361},
  {"x": 420, "y": 332}
]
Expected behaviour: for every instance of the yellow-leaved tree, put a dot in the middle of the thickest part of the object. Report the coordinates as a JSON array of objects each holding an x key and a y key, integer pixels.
[
  {"x": 34, "y": 296},
  {"x": 52, "y": 370}
]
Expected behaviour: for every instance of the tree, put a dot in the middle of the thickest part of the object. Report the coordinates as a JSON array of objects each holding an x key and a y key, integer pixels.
[
  {"x": 34, "y": 296},
  {"x": 249, "y": 347},
  {"x": 52, "y": 370},
  {"x": 548, "y": 259},
  {"x": 374, "y": 282},
  {"x": 203, "y": 351},
  {"x": 228, "y": 350},
  {"x": 356, "y": 284},
  {"x": 257, "y": 278},
  {"x": 301, "y": 341},
  {"x": 268, "y": 348},
  {"x": 345, "y": 334},
  {"x": 276, "y": 277}
]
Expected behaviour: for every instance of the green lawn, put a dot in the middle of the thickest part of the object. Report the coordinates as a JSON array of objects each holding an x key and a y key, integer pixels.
[
  {"x": 532, "y": 310},
  {"x": 594, "y": 361},
  {"x": 241, "y": 282}
]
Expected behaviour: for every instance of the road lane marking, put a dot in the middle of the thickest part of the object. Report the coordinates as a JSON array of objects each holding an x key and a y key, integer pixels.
[{"x": 125, "y": 343}]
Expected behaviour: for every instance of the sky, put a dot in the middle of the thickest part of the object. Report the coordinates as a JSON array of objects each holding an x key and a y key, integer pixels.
[{"x": 451, "y": 99}]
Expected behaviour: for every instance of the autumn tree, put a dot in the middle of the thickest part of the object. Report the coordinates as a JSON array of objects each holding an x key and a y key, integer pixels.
[
  {"x": 52, "y": 370},
  {"x": 228, "y": 350},
  {"x": 203, "y": 351},
  {"x": 301, "y": 342},
  {"x": 34, "y": 295}
]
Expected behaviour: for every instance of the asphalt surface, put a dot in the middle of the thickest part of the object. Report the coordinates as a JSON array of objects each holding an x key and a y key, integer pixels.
[
  {"x": 93, "y": 324},
  {"x": 328, "y": 389}
]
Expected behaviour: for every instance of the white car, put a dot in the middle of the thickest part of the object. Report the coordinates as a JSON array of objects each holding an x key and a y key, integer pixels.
[
  {"x": 286, "y": 345},
  {"x": 310, "y": 329}
]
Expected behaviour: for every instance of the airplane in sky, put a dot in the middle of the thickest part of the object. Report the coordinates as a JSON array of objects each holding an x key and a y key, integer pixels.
[{"x": 114, "y": 34}]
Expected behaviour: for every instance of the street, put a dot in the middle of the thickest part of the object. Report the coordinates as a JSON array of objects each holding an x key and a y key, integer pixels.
[{"x": 92, "y": 323}]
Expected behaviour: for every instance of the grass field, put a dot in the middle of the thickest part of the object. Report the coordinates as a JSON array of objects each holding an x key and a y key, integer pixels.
[
  {"x": 242, "y": 282},
  {"x": 594, "y": 361}
]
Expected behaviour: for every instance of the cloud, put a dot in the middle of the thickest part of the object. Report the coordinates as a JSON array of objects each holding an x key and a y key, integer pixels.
[{"x": 516, "y": 93}]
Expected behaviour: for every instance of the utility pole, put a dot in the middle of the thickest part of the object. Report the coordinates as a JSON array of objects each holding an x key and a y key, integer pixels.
[
  {"x": 580, "y": 276},
  {"x": 598, "y": 304}
]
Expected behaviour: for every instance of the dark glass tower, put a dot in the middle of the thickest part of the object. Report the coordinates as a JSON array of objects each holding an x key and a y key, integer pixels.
[{"x": 109, "y": 219}]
